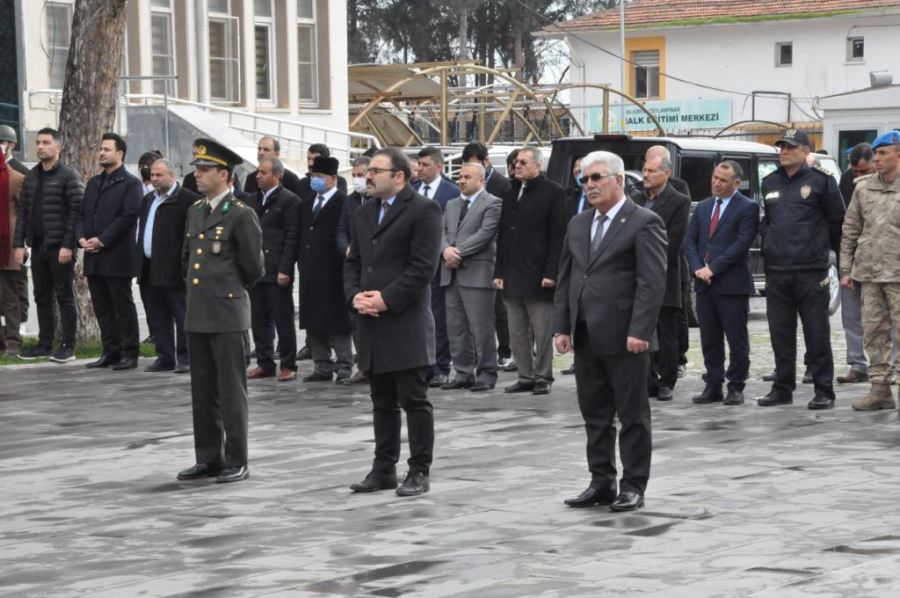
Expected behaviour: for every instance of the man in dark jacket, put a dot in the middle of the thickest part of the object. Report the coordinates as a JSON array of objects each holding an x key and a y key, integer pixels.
[
  {"x": 387, "y": 280},
  {"x": 51, "y": 202},
  {"x": 269, "y": 147},
  {"x": 494, "y": 183},
  {"x": 674, "y": 209},
  {"x": 160, "y": 237},
  {"x": 271, "y": 299},
  {"x": 317, "y": 150},
  {"x": 532, "y": 226},
  {"x": 105, "y": 230}
]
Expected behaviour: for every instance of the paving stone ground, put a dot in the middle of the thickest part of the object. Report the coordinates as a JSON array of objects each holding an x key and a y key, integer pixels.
[{"x": 743, "y": 501}]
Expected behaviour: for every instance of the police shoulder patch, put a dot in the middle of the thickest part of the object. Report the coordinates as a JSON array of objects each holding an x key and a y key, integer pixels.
[{"x": 821, "y": 170}]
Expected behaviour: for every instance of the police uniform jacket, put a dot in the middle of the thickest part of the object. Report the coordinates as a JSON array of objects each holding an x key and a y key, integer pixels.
[
  {"x": 280, "y": 224},
  {"x": 870, "y": 244},
  {"x": 802, "y": 219},
  {"x": 109, "y": 211},
  {"x": 222, "y": 258}
]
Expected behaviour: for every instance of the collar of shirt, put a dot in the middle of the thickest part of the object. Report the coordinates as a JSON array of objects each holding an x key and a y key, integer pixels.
[
  {"x": 611, "y": 213},
  {"x": 433, "y": 185},
  {"x": 169, "y": 193},
  {"x": 724, "y": 204},
  {"x": 472, "y": 197},
  {"x": 215, "y": 201},
  {"x": 266, "y": 194}
]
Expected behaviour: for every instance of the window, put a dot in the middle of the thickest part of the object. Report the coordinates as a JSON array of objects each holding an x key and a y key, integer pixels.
[
  {"x": 306, "y": 52},
  {"x": 784, "y": 53},
  {"x": 646, "y": 74},
  {"x": 59, "y": 32},
  {"x": 263, "y": 32},
  {"x": 847, "y": 139},
  {"x": 856, "y": 47},
  {"x": 696, "y": 171},
  {"x": 224, "y": 61},
  {"x": 162, "y": 45}
]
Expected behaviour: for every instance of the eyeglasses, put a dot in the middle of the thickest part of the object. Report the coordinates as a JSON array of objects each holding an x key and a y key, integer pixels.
[
  {"x": 595, "y": 177},
  {"x": 374, "y": 171},
  {"x": 522, "y": 162}
]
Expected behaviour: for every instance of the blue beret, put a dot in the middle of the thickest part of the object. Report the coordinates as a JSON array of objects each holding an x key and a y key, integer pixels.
[{"x": 889, "y": 138}]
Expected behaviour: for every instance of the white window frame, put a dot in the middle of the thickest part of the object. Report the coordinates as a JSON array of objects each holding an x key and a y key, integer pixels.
[
  {"x": 232, "y": 58},
  {"x": 778, "y": 63},
  {"x": 156, "y": 12},
  {"x": 313, "y": 66},
  {"x": 52, "y": 51},
  {"x": 850, "y": 43},
  {"x": 269, "y": 23},
  {"x": 654, "y": 70}
]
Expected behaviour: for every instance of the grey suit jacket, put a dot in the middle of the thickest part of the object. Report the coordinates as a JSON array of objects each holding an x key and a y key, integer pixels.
[
  {"x": 619, "y": 289},
  {"x": 476, "y": 239}
]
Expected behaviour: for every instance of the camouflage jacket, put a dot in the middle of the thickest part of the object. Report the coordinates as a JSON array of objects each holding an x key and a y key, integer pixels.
[{"x": 870, "y": 243}]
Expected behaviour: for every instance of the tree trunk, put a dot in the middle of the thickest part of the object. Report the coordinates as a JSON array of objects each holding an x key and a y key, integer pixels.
[{"x": 89, "y": 107}]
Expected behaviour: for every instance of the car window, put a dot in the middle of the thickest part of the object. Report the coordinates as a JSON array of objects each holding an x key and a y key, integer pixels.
[
  {"x": 697, "y": 173},
  {"x": 764, "y": 169}
]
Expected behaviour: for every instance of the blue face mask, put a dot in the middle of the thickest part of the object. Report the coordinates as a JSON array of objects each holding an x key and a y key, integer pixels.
[
  {"x": 579, "y": 182},
  {"x": 317, "y": 184}
]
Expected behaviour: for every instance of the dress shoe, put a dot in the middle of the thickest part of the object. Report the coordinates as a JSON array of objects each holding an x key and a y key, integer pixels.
[
  {"x": 711, "y": 394},
  {"x": 482, "y": 387},
  {"x": 507, "y": 365},
  {"x": 339, "y": 377},
  {"x": 287, "y": 375},
  {"x": 159, "y": 366},
  {"x": 595, "y": 494},
  {"x": 457, "y": 384},
  {"x": 304, "y": 354},
  {"x": 183, "y": 368},
  {"x": 807, "y": 376},
  {"x": 127, "y": 363},
  {"x": 416, "y": 483},
  {"x": 357, "y": 378},
  {"x": 852, "y": 377},
  {"x": 568, "y": 371},
  {"x": 375, "y": 482},
  {"x": 439, "y": 380},
  {"x": 519, "y": 386},
  {"x": 774, "y": 398},
  {"x": 199, "y": 471},
  {"x": 627, "y": 501},
  {"x": 734, "y": 397},
  {"x": 318, "y": 376},
  {"x": 233, "y": 473},
  {"x": 770, "y": 377},
  {"x": 820, "y": 402},
  {"x": 542, "y": 388},
  {"x": 105, "y": 361},
  {"x": 665, "y": 393},
  {"x": 257, "y": 372}
]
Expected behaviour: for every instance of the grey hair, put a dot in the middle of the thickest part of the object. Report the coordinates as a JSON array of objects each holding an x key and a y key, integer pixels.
[
  {"x": 658, "y": 150},
  {"x": 361, "y": 161},
  {"x": 277, "y": 165},
  {"x": 167, "y": 163},
  {"x": 612, "y": 162},
  {"x": 478, "y": 168},
  {"x": 536, "y": 154}
]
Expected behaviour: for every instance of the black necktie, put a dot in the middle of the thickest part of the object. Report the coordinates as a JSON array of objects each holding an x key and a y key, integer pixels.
[
  {"x": 425, "y": 190},
  {"x": 207, "y": 209},
  {"x": 318, "y": 206},
  {"x": 462, "y": 213}
]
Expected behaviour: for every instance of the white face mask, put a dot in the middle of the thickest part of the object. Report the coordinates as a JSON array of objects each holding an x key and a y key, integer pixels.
[
  {"x": 359, "y": 184},
  {"x": 4, "y": 146}
]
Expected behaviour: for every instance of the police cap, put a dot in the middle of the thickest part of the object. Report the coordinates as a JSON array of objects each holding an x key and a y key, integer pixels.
[
  {"x": 794, "y": 137},
  {"x": 213, "y": 153},
  {"x": 889, "y": 138}
]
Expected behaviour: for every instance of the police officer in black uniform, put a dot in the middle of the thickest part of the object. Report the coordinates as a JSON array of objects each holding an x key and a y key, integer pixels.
[
  {"x": 222, "y": 257},
  {"x": 803, "y": 216}
]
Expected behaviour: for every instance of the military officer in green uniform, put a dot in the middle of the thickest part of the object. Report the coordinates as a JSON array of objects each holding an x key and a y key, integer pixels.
[{"x": 222, "y": 258}]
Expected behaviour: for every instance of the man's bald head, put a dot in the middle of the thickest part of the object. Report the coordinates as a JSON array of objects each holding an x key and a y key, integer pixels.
[{"x": 657, "y": 151}]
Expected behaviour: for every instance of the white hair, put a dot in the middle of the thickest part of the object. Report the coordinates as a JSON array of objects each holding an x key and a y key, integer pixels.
[{"x": 613, "y": 163}]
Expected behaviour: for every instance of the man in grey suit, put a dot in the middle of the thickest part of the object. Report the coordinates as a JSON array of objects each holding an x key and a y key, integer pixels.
[
  {"x": 612, "y": 275},
  {"x": 469, "y": 249}
]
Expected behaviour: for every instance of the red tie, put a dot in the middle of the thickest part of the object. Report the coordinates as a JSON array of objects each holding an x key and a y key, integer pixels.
[{"x": 714, "y": 222}]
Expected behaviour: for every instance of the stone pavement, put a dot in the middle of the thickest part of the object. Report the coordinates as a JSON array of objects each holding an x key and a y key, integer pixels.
[{"x": 743, "y": 501}]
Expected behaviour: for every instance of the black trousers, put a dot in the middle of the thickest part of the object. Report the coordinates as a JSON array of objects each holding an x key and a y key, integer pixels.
[
  {"x": 165, "y": 308},
  {"x": 441, "y": 342},
  {"x": 609, "y": 386},
  {"x": 664, "y": 362},
  {"x": 504, "y": 350},
  {"x": 271, "y": 310},
  {"x": 803, "y": 292},
  {"x": 52, "y": 279},
  {"x": 684, "y": 325},
  {"x": 219, "y": 397},
  {"x": 407, "y": 390},
  {"x": 116, "y": 314},
  {"x": 721, "y": 317}
]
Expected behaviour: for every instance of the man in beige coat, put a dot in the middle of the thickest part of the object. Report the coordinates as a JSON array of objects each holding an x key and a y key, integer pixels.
[
  {"x": 10, "y": 190},
  {"x": 870, "y": 246}
]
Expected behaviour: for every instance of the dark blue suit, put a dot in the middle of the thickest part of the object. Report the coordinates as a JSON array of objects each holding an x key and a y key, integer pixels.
[
  {"x": 723, "y": 306},
  {"x": 445, "y": 191}
]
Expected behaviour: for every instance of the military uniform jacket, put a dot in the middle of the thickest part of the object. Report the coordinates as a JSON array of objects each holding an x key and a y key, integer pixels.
[
  {"x": 802, "y": 219},
  {"x": 871, "y": 234},
  {"x": 222, "y": 258}
]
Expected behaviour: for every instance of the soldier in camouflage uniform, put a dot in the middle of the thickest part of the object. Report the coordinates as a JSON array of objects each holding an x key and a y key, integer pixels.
[
  {"x": 222, "y": 258},
  {"x": 870, "y": 254}
]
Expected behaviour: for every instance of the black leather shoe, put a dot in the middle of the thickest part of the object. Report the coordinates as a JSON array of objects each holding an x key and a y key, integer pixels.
[
  {"x": 416, "y": 483},
  {"x": 541, "y": 388},
  {"x": 627, "y": 501},
  {"x": 774, "y": 398},
  {"x": 159, "y": 366},
  {"x": 376, "y": 481},
  {"x": 233, "y": 473},
  {"x": 199, "y": 471},
  {"x": 304, "y": 354},
  {"x": 595, "y": 494},
  {"x": 182, "y": 368},
  {"x": 665, "y": 393},
  {"x": 105, "y": 361},
  {"x": 357, "y": 378},
  {"x": 821, "y": 402},
  {"x": 127, "y": 363},
  {"x": 482, "y": 387},
  {"x": 439, "y": 380},
  {"x": 735, "y": 397},
  {"x": 770, "y": 377},
  {"x": 710, "y": 394},
  {"x": 520, "y": 387},
  {"x": 318, "y": 377},
  {"x": 568, "y": 371},
  {"x": 807, "y": 377},
  {"x": 457, "y": 384}
]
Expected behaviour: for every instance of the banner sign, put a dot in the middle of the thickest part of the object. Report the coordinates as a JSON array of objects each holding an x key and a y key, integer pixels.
[{"x": 673, "y": 115}]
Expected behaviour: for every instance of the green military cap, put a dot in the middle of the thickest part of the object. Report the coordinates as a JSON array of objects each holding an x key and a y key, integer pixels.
[{"x": 213, "y": 153}]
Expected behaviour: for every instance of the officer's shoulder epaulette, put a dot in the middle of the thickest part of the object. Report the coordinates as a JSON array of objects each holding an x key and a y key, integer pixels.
[
  {"x": 863, "y": 177},
  {"x": 820, "y": 170},
  {"x": 770, "y": 174},
  {"x": 239, "y": 203}
]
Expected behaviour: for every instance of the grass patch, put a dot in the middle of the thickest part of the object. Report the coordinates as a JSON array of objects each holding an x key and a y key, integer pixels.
[{"x": 83, "y": 350}]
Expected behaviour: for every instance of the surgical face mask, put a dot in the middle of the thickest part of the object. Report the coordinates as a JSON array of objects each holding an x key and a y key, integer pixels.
[
  {"x": 317, "y": 184},
  {"x": 579, "y": 182},
  {"x": 4, "y": 147},
  {"x": 359, "y": 184}
]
